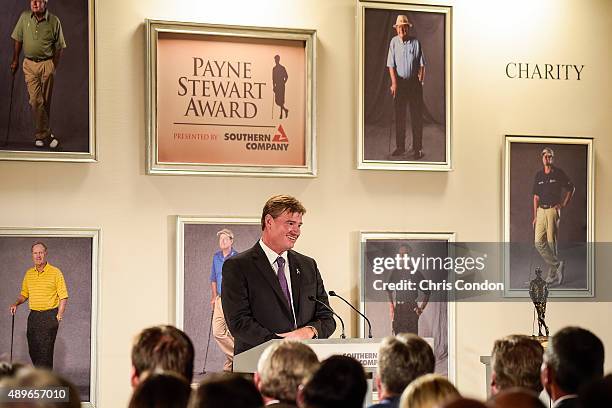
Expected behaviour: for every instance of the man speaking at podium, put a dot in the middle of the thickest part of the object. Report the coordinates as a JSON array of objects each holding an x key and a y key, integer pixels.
[{"x": 266, "y": 288}]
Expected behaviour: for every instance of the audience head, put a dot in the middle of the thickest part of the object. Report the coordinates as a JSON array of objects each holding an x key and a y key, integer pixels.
[
  {"x": 574, "y": 357},
  {"x": 516, "y": 362},
  {"x": 8, "y": 370},
  {"x": 161, "y": 390},
  {"x": 463, "y": 403},
  {"x": 339, "y": 382},
  {"x": 428, "y": 391},
  {"x": 30, "y": 377},
  {"x": 516, "y": 397},
  {"x": 162, "y": 348},
  {"x": 597, "y": 393},
  {"x": 401, "y": 359},
  {"x": 226, "y": 390},
  {"x": 282, "y": 368}
]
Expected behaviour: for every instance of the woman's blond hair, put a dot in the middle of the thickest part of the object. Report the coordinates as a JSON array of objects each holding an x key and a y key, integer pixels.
[{"x": 428, "y": 391}]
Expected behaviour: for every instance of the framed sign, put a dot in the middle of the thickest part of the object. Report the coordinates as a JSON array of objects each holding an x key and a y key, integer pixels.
[
  {"x": 408, "y": 311},
  {"x": 229, "y": 100},
  {"x": 75, "y": 253},
  {"x": 47, "y": 106},
  {"x": 548, "y": 214},
  {"x": 404, "y": 104}
]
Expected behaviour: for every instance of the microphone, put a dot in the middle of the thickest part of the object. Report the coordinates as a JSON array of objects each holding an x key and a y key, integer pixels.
[
  {"x": 314, "y": 299},
  {"x": 332, "y": 293}
]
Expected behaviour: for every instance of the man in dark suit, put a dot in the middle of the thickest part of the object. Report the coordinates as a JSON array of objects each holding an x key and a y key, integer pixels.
[
  {"x": 573, "y": 358},
  {"x": 266, "y": 289}
]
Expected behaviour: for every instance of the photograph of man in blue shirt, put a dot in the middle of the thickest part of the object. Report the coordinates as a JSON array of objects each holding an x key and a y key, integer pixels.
[
  {"x": 219, "y": 327},
  {"x": 406, "y": 64}
]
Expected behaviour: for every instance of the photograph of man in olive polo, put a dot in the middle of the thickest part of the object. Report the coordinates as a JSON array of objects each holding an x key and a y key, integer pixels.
[
  {"x": 46, "y": 48},
  {"x": 39, "y": 34},
  {"x": 45, "y": 289}
]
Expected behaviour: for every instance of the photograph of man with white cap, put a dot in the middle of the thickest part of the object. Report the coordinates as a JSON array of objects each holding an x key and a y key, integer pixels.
[
  {"x": 207, "y": 243},
  {"x": 404, "y": 87},
  {"x": 406, "y": 64}
]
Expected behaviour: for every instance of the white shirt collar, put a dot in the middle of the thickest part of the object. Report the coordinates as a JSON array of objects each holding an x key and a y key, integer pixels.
[{"x": 271, "y": 255}]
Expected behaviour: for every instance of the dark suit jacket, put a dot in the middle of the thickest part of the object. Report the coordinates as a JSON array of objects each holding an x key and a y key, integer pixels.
[
  {"x": 387, "y": 403},
  {"x": 568, "y": 403},
  {"x": 254, "y": 305}
]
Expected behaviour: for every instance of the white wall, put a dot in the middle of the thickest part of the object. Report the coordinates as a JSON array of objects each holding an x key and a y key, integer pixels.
[{"x": 136, "y": 212}]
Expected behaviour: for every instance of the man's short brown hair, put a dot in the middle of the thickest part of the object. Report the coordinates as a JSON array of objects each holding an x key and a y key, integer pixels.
[
  {"x": 163, "y": 348},
  {"x": 402, "y": 359},
  {"x": 283, "y": 367},
  {"x": 278, "y": 204},
  {"x": 516, "y": 361}
]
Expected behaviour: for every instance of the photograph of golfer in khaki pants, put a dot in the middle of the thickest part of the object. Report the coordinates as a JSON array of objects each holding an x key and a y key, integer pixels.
[
  {"x": 39, "y": 34},
  {"x": 219, "y": 326}
]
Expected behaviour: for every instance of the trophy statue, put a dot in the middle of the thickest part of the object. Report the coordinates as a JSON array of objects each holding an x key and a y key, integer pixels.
[{"x": 538, "y": 291}]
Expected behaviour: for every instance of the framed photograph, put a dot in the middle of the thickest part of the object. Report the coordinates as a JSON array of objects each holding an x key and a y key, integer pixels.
[
  {"x": 404, "y": 104},
  {"x": 408, "y": 311},
  {"x": 47, "y": 106},
  {"x": 230, "y": 100},
  {"x": 202, "y": 245},
  {"x": 74, "y": 252},
  {"x": 548, "y": 214}
]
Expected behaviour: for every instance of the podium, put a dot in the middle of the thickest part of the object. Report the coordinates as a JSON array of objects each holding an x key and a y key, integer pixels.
[{"x": 363, "y": 350}]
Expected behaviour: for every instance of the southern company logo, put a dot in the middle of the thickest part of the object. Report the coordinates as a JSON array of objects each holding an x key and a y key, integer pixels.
[
  {"x": 281, "y": 136},
  {"x": 261, "y": 141}
]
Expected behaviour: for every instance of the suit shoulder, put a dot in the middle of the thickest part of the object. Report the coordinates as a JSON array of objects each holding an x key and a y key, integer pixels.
[
  {"x": 245, "y": 256},
  {"x": 301, "y": 258},
  {"x": 240, "y": 257}
]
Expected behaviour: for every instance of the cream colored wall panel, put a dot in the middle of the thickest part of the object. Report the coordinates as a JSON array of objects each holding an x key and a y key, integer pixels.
[{"x": 135, "y": 212}]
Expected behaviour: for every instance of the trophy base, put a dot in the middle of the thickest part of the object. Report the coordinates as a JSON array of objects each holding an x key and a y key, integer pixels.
[{"x": 543, "y": 340}]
